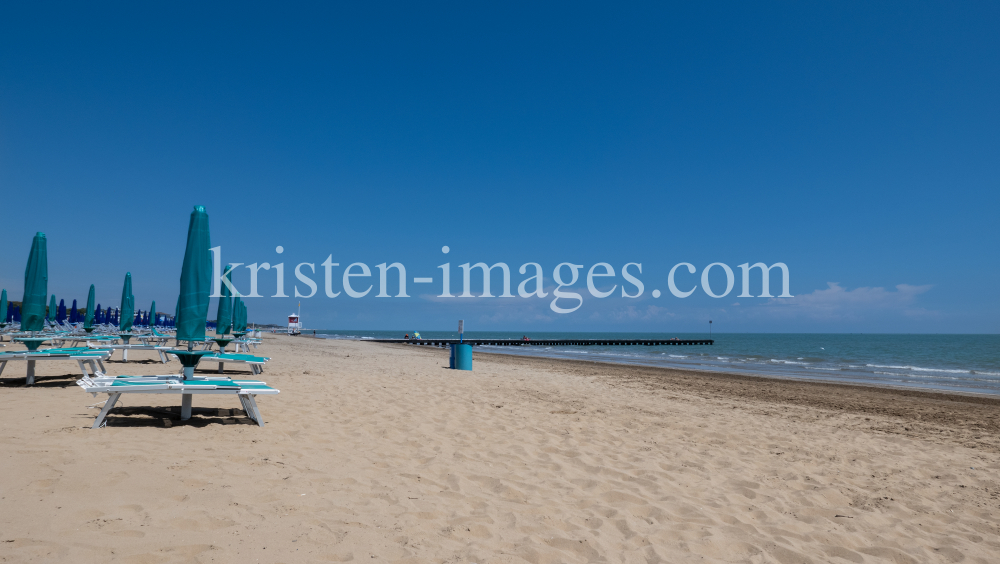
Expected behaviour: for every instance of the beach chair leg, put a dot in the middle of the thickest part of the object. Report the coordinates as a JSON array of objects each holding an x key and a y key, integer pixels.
[
  {"x": 83, "y": 368},
  {"x": 112, "y": 400},
  {"x": 101, "y": 364},
  {"x": 246, "y": 408},
  {"x": 256, "y": 412},
  {"x": 31, "y": 373},
  {"x": 163, "y": 357},
  {"x": 3, "y": 364},
  {"x": 185, "y": 407},
  {"x": 93, "y": 366}
]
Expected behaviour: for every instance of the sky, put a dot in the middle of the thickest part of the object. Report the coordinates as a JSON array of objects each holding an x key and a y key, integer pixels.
[{"x": 856, "y": 143}]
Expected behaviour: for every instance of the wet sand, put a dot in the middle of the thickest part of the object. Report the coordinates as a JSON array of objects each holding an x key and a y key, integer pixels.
[{"x": 379, "y": 453}]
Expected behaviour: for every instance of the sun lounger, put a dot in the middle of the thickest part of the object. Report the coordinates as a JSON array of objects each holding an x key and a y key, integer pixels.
[
  {"x": 256, "y": 363},
  {"x": 83, "y": 356},
  {"x": 160, "y": 350},
  {"x": 157, "y": 340},
  {"x": 246, "y": 391}
]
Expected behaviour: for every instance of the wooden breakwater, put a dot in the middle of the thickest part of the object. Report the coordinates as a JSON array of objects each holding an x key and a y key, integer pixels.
[{"x": 547, "y": 342}]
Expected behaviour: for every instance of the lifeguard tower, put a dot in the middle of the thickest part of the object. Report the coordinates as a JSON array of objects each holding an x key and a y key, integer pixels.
[{"x": 294, "y": 325}]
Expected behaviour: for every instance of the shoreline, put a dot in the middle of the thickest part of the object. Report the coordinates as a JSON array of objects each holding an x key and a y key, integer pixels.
[
  {"x": 761, "y": 376},
  {"x": 947, "y": 363}
]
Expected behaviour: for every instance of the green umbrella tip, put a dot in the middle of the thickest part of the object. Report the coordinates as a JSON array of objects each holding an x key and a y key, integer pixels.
[{"x": 196, "y": 208}]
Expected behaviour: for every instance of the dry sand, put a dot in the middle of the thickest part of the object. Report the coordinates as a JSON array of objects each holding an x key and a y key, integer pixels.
[{"x": 377, "y": 453}]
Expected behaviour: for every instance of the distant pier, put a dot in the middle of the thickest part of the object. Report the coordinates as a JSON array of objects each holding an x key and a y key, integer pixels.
[{"x": 546, "y": 342}]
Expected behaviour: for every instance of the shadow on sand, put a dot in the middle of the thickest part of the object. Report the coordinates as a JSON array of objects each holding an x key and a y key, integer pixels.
[{"x": 144, "y": 416}]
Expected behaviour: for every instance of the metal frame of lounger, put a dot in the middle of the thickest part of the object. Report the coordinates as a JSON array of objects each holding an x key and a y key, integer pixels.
[
  {"x": 245, "y": 344},
  {"x": 185, "y": 388}
]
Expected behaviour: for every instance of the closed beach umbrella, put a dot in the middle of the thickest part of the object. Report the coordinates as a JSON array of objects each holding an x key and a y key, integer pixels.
[
  {"x": 237, "y": 304},
  {"x": 128, "y": 305},
  {"x": 3, "y": 307},
  {"x": 74, "y": 316},
  {"x": 17, "y": 316},
  {"x": 224, "y": 315},
  {"x": 152, "y": 315},
  {"x": 61, "y": 311},
  {"x": 53, "y": 308},
  {"x": 88, "y": 319},
  {"x": 36, "y": 286},
  {"x": 243, "y": 317},
  {"x": 196, "y": 279}
]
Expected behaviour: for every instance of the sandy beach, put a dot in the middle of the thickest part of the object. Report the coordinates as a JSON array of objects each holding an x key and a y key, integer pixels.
[{"x": 379, "y": 453}]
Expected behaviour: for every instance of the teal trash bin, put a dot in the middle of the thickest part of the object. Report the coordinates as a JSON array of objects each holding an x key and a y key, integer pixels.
[{"x": 463, "y": 357}]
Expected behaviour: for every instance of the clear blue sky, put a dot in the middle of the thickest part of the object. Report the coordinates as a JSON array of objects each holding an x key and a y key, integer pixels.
[{"x": 858, "y": 143}]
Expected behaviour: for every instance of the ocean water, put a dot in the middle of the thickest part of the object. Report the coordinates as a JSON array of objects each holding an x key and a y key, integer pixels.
[{"x": 958, "y": 363}]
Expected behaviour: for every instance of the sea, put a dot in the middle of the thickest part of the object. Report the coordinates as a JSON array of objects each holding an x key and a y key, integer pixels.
[{"x": 954, "y": 363}]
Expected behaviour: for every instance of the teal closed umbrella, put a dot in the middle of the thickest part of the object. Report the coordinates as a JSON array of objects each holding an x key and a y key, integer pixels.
[
  {"x": 237, "y": 305},
  {"x": 152, "y": 315},
  {"x": 224, "y": 315},
  {"x": 128, "y": 305},
  {"x": 196, "y": 279},
  {"x": 3, "y": 308},
  {"x": 36, "y": 286},
  {"x": 53, "y": 308},
  {"x": 88, "y": 320}
]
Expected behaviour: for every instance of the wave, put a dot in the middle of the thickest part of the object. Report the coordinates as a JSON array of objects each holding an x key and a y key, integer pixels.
[{"x": 920, "y": 369}]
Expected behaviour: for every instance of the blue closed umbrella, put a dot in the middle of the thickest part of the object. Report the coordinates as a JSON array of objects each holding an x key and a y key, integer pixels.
[
  {"x": 17, "y": 315},
  {"x": 61, "y": 311},
  {"x": 73, "y": 314}
]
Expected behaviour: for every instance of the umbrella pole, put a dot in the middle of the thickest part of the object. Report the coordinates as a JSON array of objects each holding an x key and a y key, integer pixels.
[
  {"x": 31, "y": 373},
  {"x": 186, "y": 398},
  {"x": 185, "y": 406}
]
